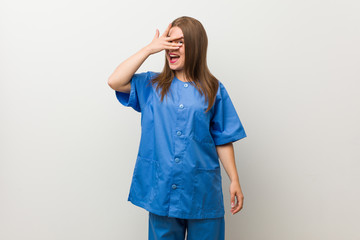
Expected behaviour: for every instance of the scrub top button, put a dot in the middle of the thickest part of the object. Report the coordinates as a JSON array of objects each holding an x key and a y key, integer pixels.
[
  {"x": 178, "y": 133},
  {"x": 173, "y": 186},
  {"x": 186, "y": 85},
  {"x": 181, "y": 106},
  {"x": 177, "y": 160}
]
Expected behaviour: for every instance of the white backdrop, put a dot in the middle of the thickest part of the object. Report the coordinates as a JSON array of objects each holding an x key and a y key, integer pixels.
[{"x": 68, "y": 147}]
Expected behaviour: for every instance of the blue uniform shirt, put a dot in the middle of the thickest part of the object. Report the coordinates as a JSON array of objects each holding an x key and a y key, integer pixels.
[{"x": 177, "y": 171}]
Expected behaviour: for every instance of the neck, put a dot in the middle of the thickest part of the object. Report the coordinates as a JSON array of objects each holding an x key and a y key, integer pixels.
[{"x": 181, "y": 76}]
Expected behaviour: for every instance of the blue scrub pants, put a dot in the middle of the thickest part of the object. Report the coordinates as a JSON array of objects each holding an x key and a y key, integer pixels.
[{"x": 169, "y": 228}]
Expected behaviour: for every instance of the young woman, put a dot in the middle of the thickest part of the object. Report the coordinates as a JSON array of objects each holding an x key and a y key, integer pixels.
[{"x": 188, "y": 122}]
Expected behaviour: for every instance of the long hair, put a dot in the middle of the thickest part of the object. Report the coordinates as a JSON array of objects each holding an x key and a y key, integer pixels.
[{"x": 195, "y": 67}]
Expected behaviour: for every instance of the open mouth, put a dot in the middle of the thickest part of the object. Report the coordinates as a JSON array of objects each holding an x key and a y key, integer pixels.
[{"x": 173, "y": 58}]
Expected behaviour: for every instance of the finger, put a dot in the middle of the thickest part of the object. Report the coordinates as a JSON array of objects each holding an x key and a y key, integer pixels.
[
  {"x": 232, "y": 200},
  {"x": 240, "y": 198},
  {"x": 239, "y": 203},
  {"x": 172, "y": 44},
  {"x": 172, "y": 48},
  {"x": 237, "y": 209},
  {"x": 166, "y": 31},
  {"x": 174, "y": 37}
]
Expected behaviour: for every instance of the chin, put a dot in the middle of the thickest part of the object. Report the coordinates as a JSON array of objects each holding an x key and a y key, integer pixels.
[{"x": 177, "y": 68}]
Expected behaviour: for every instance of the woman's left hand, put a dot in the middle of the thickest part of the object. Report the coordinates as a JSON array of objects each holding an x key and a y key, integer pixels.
[{"x": 235, "y": 191}]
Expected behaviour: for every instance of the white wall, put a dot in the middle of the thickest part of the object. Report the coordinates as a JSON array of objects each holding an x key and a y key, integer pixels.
[{"x": 68, "y": 147}]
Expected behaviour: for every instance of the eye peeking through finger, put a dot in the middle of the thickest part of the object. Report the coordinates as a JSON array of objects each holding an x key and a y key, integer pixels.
[{"x": 181, "y": 42}]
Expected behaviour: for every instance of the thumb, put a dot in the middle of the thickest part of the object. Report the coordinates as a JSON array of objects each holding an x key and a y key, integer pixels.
[{"x": 156, "y": 34}]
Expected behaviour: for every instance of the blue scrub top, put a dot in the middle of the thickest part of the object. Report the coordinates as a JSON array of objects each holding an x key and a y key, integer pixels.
[{"x": 177, "y": 171}]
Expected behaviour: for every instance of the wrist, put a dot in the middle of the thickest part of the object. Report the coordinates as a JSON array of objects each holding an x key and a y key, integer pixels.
[
  {"x": 147, "y": 50},
  {"x": 235, "y": 180}
]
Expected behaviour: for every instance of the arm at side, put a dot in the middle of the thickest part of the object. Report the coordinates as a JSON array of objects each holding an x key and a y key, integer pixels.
[{"x": 227, "y": 158}]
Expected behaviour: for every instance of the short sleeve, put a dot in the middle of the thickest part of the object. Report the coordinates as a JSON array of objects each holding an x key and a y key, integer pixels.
[
  {"x": 139, "y": 93},
  {"x": 225, "y": 125}
]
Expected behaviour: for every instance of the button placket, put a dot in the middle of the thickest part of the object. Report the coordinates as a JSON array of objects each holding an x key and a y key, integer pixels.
[{"x": 180, "y": 139}]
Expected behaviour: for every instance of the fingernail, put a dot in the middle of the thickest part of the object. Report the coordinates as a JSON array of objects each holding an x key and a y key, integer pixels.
[{"x": 232, "y": 204}]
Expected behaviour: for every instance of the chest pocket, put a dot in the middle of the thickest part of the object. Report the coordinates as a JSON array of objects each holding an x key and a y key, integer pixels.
[{"x": 202, "y": 127}]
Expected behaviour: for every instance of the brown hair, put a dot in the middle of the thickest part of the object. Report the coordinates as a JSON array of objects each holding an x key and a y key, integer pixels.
[{"x": 195, "y": 66}]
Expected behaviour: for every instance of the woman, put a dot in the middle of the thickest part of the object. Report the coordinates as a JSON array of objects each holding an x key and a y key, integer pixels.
[{"x": 177, "y": 176}]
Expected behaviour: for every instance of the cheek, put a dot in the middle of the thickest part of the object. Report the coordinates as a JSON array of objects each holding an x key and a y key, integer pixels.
[
  {"x": 182, "y": 50},
  {"x": 183, "y": 55}
]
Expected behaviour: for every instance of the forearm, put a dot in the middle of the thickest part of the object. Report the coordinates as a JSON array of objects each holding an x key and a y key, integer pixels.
[
  {"x": 124, "y": 72},
  {"x": 227, "y": 158}
]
